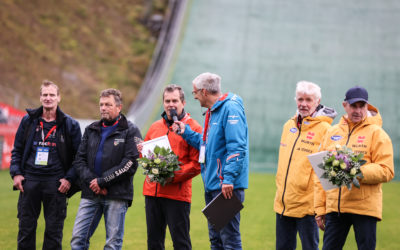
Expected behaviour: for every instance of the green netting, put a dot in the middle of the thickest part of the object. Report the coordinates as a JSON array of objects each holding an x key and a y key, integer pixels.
[{"x": 261, "y": 48}]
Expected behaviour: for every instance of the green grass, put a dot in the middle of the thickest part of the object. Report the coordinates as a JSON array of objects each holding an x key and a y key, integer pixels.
[{"x": 257, "y": 227}]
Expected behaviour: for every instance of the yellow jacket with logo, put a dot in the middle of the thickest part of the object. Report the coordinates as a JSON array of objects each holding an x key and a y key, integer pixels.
[
  {"x": 365, "y": 137},
  {"x": 295, "y": 176}
]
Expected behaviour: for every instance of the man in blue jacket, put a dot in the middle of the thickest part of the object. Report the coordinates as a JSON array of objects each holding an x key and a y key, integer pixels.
[
  {"x": 41, "y": 168},
  {"x": 224, "y": 154}
]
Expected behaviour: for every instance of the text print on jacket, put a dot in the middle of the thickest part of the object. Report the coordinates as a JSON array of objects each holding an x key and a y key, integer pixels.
[
  {"x": 365, "y": 137},
  {"x": 119, "y": 162},
  {"x": 295, "y": 177}
]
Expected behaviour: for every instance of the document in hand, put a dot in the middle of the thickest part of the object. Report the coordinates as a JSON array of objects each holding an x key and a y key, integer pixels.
[
  {"x": 150, "y": 145},
  {"x": 220, "y": 210},
  {"x": 315, "y": 160}
]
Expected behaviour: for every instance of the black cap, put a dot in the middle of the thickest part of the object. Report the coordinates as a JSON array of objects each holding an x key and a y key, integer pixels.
[{"x": 356, "y": 94}]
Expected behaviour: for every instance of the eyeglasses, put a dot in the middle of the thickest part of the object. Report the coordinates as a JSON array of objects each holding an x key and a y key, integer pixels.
[{"x": 195, "y": 91}]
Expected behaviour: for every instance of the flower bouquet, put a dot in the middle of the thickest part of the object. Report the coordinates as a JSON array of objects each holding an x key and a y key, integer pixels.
[
  {"x": 159, "y": 165},
  {"x": 342, "y": 167}
]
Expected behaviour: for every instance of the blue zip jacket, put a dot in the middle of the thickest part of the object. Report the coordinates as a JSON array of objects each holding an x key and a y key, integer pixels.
[{"x": 227, "y": 147}]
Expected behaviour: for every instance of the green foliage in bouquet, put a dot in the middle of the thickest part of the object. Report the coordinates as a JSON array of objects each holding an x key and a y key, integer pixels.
[
  {"x": 342, "y": 167},
  {"x": 160, "y": 165}
]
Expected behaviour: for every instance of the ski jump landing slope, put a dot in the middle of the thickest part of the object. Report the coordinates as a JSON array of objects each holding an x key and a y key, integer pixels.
[{"x": 262, "y": 48}]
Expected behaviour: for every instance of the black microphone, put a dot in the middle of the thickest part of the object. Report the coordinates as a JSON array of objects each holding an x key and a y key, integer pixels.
[{"x": 174, "y": 115}]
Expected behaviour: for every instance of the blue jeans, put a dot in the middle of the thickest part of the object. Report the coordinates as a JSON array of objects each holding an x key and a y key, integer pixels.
[
  {"x": 338, "y": 226},
  {"x": 88, "y": 218},
  {"x": 229, "y": 236},
  {"x": 286, "y": 232}
]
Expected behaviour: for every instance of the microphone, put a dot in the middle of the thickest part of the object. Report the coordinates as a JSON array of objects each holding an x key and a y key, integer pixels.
[{"x": 174, "y": 115}]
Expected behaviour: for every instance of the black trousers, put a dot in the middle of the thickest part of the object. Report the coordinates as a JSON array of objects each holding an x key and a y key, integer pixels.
[
  {"x": 29, "y": 206},
  {"x": 161, "y": 212},
  {"x": 338, "y": 226}
]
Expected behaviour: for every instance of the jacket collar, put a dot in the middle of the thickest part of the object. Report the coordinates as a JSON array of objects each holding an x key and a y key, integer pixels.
[
  {"x": 225, "y": 97},
  {"x": 122, "y": 124},
  {"x": 322, "y": 113},
  {"x": 37, "y": 113},
  {"x": 373, "y": 117},
  {"x": 170, "y": 122}
]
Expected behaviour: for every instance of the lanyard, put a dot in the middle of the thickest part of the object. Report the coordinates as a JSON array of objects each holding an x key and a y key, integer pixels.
[
  {"x": 48, "y": 133},
  {"x": 208, "y": 114}
]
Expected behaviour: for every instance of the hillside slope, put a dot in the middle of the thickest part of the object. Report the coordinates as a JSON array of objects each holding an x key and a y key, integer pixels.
[{"x": 84, "y": 46}]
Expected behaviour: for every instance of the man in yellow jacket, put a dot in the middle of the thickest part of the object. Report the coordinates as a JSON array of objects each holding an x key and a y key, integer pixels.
[
  {"x": 294, "y": 199},
  {"x": 337, "y": 209}
]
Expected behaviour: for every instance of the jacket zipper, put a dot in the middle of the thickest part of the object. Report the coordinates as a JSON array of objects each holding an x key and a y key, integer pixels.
[
  {"x": 287, "y": 172},
  {"x": 340, "y": 189}
]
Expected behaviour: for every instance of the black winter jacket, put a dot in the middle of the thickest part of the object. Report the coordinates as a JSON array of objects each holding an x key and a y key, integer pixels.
[
  {"x": 119, "y": 160},
  {"x": 68, "y": 136}
]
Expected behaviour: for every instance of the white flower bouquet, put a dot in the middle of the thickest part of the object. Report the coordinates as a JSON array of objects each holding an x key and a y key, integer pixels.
[
  {"x": 159, "y": 165},
  {"x": 342, "y": 167}
]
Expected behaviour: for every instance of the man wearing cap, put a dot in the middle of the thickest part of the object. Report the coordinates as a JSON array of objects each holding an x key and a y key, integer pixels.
[{"x": 338, "y": 209}]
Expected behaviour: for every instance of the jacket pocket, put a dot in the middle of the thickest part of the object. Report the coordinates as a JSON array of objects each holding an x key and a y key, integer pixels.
[{"x": 355, "y": 194}]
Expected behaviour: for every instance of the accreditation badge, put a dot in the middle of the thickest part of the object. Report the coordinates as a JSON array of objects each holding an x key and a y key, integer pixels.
[
  {"x": 42, "y": 156},
  {"x": 202, "y": 154}
]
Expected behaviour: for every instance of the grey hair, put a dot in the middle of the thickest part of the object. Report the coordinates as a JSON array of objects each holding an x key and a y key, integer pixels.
[
  {"x": 308, "y": 88},
  {"x": 114, "y": 92},
  {"x": 208, "y": 81}
]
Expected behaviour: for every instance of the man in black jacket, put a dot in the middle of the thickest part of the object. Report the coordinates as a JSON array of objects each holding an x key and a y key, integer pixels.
[
  {"x": 106, "y": 163},
  {"x": 44, "y": 148}
]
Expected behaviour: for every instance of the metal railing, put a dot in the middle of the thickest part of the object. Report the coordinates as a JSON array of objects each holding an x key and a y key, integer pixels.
[{"x": 150, "y": 93}]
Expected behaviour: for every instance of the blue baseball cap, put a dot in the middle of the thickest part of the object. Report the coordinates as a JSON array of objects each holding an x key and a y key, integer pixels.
[{"x": 356, "y": 94}]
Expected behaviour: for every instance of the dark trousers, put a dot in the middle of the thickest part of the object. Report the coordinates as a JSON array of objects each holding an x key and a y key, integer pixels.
[
  {"x": 229, "y": 236},
  {"x": 29, "y": 206},
  {"x": 161, "y": 212},
  {"x": 287, "y": 228},
  {"x": 337, "y": 227}
]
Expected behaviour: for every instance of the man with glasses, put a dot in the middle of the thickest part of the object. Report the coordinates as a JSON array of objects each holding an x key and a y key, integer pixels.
[{"x": 224, "y": 154}]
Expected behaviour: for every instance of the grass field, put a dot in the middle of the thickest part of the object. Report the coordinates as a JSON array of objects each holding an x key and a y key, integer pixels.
[{"x": 257, "y": 227}]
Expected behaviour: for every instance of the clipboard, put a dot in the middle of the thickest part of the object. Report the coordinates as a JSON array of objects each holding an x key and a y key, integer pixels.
[
  {"x": 220, "y": 210},
  {"x": 161, "y": 141}
]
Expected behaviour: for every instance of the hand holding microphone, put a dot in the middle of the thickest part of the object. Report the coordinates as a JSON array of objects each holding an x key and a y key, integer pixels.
[{"x": 174, "y": 116}]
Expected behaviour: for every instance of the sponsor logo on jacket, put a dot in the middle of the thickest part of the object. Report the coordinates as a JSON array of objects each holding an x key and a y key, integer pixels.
[
  {"x": 336, "y": 137},
  {"x": 118, "y": 141},
  {"x": 232, "y": 119},
  {"x": 293, "y": 130},
  {"x": 310, "y": 135},
  {"x": 360, "y": 139}
]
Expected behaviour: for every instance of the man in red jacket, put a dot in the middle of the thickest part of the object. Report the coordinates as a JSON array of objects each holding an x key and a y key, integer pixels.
[{"x": 170, "y": 204}]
